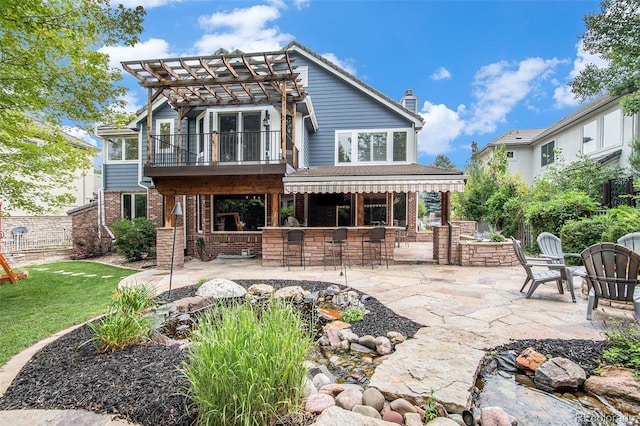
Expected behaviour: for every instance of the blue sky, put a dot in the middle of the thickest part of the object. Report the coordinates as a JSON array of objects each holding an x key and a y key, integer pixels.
[{"x": 479, "y": 68}]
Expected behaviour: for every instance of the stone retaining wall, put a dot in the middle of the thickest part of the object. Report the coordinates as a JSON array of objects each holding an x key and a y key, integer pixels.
[{"x": 474, "y": 253}]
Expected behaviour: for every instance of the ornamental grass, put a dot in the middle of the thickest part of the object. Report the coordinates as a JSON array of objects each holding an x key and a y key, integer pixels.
[{"x": 246, "y": 364}]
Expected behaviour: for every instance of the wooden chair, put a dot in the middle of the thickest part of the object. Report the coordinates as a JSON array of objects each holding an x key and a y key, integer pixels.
[
  {"x": 611, "y": 274},
  {"x": 339, "y": 238},
  {"x": 540, "y": 271},
  {"x": 375, "y": 236},
  {"x": 631, "y": 241}
]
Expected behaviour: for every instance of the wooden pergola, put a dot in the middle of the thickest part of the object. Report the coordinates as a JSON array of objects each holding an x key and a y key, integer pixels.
[{"x": 234, "y": 78}]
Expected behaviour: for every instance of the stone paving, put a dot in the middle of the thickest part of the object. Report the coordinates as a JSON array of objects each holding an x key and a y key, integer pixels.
[{"x": 464, "y": 310}]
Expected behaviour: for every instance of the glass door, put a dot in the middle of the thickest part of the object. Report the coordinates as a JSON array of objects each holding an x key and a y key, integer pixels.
[
  {"x": 251, "y": 144},
  {"x": 228, "y": 137}
]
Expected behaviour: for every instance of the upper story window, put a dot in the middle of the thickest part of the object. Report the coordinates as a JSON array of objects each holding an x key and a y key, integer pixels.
[
  {"x": 371, "y": 146},
  {"x": 612, "y": 129},
  {"x": 547, "y": 153},
  {"x": 511, "y": 155},
  {"x": 122, "y": 149},
  {"x": 589, "y": 133},
  {"x": 164, "y": 133}
]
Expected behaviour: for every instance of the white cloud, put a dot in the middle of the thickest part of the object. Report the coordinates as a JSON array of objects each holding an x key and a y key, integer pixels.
[
  {"x": 562, "y": 94},
  {"x": 499, "y": 87},
  {"x": 246, "y": 29},
  {"x": 345, "y": 64},
  {"x": 442, "y": 125},
  {"x": 147, "y": 4},
  {"x": 151, "y": 49},
  {"x": 441, "y": 74},
  {"x": 301, "y": 4}
]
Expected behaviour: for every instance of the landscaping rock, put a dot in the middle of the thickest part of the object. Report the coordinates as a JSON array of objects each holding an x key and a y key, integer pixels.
[
  {"x": 559, "y": 374},
  {"x": 494, "y": 416},
  {"x": 334, "y": 416},
  {"x": 220, "y": 288},
  {"x": 529, "y": 361},
  {"x": 402, "y": 406},
  {"x": 318, "y": 402},
  {"x": 365, "y": 410},
  {"x": 393, "y": 417},
  {"x": 373, "y": 398},
  {"x": 615, "y": 383},
  {"x": 349, "y": 398},
  {"x": 383, "y": 345}
]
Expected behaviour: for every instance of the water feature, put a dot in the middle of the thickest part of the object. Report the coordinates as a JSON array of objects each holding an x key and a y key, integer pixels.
[{"x": 532, "y": 407}]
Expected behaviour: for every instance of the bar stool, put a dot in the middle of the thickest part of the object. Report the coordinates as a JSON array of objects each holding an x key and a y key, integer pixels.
[
  {"x": 295, "y": 238},
  {"x": 338, "y": 239},
  {"x": 375, "y": 236}
]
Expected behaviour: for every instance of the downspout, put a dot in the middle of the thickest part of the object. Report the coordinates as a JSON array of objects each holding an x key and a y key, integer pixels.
[{"x": 450, "y": 245}]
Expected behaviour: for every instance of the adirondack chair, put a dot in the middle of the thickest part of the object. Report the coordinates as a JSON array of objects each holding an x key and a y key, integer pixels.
[
  {"x": 631, "y": 241},
  {"x": 541, "y": 271},
  {"x": 551, "y": 248},
  {"x": 612, "y": 274}
]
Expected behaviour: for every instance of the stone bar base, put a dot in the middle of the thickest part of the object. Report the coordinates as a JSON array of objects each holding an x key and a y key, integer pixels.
[{"x": 273, "y": 238}]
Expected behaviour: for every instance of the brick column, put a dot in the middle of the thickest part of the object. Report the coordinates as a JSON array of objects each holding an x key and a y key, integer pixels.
[{"x": 164, "y": 243}]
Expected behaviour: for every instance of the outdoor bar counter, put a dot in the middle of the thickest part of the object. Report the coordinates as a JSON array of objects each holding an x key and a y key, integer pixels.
[{"x": 273, "y": 239}]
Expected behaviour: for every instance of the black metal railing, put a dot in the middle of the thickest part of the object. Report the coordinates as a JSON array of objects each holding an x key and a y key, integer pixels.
[{"x": 213, "y": 148}]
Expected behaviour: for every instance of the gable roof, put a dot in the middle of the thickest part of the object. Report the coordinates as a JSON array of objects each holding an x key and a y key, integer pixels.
[
  {"x": 512, "y": 138},
  {"x": 355, "y": 82}
]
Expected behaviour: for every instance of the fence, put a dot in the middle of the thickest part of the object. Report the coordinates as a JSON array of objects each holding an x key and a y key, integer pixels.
[{"x": 36, "y": 241}]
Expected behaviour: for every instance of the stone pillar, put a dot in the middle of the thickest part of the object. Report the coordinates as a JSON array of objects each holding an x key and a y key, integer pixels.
[
  {"x": 164, "y": 244},
  {"x": 412, "y": 215},
  {"x": 441, "y": 245}
]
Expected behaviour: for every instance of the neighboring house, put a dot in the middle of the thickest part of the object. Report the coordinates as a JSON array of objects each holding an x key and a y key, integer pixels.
[
  {"x": 56, "y": 224},
  {"x": 239, "y": 137},
  {"x": 598, "y": 129}
]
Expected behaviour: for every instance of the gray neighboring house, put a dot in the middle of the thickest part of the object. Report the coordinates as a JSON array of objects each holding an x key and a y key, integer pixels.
[
  {"x": 243, "y": 140},
  {"x": 598, "y": 129}
]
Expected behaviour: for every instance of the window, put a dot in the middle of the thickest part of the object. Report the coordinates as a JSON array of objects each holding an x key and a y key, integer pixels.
[
  {"x": 612, "y": 129},
  {"x": 589, "y": 137},
  {"x": 164, "y": 133},
  {"x": 371, "y": 146},
  {"x": 399, "y": 146},
  {"x": 547, "y": 155},
  {"x": 511, "y": 155},
  {"x": 122, "y": 149},
  {"x": 344, "y": 147},
  {"x": 134, "y": 205}
]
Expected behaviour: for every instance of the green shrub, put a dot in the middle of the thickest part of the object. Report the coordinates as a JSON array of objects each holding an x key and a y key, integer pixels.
[
  {"x": 552, "y": 214},
  {"x": 623, "y": 340},
  {"x": 246, "y": 366},
  {"x": 126, "y": 323},
  {"x": 577, "y": 235},
  {"x": 496, "y": 237},
  {"x": 622, "y": 220},
  {"x": 352, "y": 313},
  {"x": 134, "y": 237}
]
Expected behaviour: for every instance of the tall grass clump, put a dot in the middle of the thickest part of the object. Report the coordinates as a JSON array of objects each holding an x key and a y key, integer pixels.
[
  {"x": 126, "y": 323},
  {"x": 623, "y": 338},
  {"x": 246, "y": 364}
]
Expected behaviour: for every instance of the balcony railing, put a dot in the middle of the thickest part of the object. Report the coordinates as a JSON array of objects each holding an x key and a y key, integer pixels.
[{"x": 198, "y": 149}]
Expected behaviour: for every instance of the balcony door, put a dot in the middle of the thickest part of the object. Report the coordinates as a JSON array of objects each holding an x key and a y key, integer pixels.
[{"x": 239, "y": 136}]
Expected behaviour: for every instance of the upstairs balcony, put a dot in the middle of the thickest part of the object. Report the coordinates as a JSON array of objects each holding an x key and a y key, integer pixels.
[{"x": 213, "y": 153}]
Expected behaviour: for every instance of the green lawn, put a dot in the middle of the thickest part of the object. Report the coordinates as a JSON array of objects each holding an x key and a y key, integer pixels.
[{"x": 47, "y": 302}]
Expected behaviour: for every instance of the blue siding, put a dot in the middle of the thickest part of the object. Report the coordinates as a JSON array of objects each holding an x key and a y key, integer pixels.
[
  {"x": 162, "y": 113},
  {"x": 339, "y": 105},
  {"x": 121, "y": 177}
]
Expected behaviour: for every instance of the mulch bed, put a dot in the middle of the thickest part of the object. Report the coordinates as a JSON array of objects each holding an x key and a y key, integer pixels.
[{"x": 142, "y": 384}]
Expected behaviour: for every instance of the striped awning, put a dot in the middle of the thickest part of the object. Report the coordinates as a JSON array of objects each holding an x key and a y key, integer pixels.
[{"x": 366, "y": 186}]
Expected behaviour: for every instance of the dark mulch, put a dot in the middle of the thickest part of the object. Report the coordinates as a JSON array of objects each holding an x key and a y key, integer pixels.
[{"x": 142, "y": 384}]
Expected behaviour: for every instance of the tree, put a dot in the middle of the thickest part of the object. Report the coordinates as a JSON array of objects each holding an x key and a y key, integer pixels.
[
  {"x": 443, "y": 162},
  {"x": 613, "y": 35},
  {"x": 51, "y": 72}
]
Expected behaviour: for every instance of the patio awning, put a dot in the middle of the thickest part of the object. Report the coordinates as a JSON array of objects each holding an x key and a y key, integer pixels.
[
  {"x": 366, "y": 186},
  {"x": 375, "y": 178}
]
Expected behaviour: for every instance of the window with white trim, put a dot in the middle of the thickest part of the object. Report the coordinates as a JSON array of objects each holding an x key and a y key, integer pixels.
[
  {"x": 122, "y": 149},
  {"x": 612, "y": 129},
  {"x": 371, "y": 146},
  {"x": 547, "y": 153},
  {"x": 589, "y": 133},
  {"x": 164, "y": 134},
  {"x": 134, "y": 205}
]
